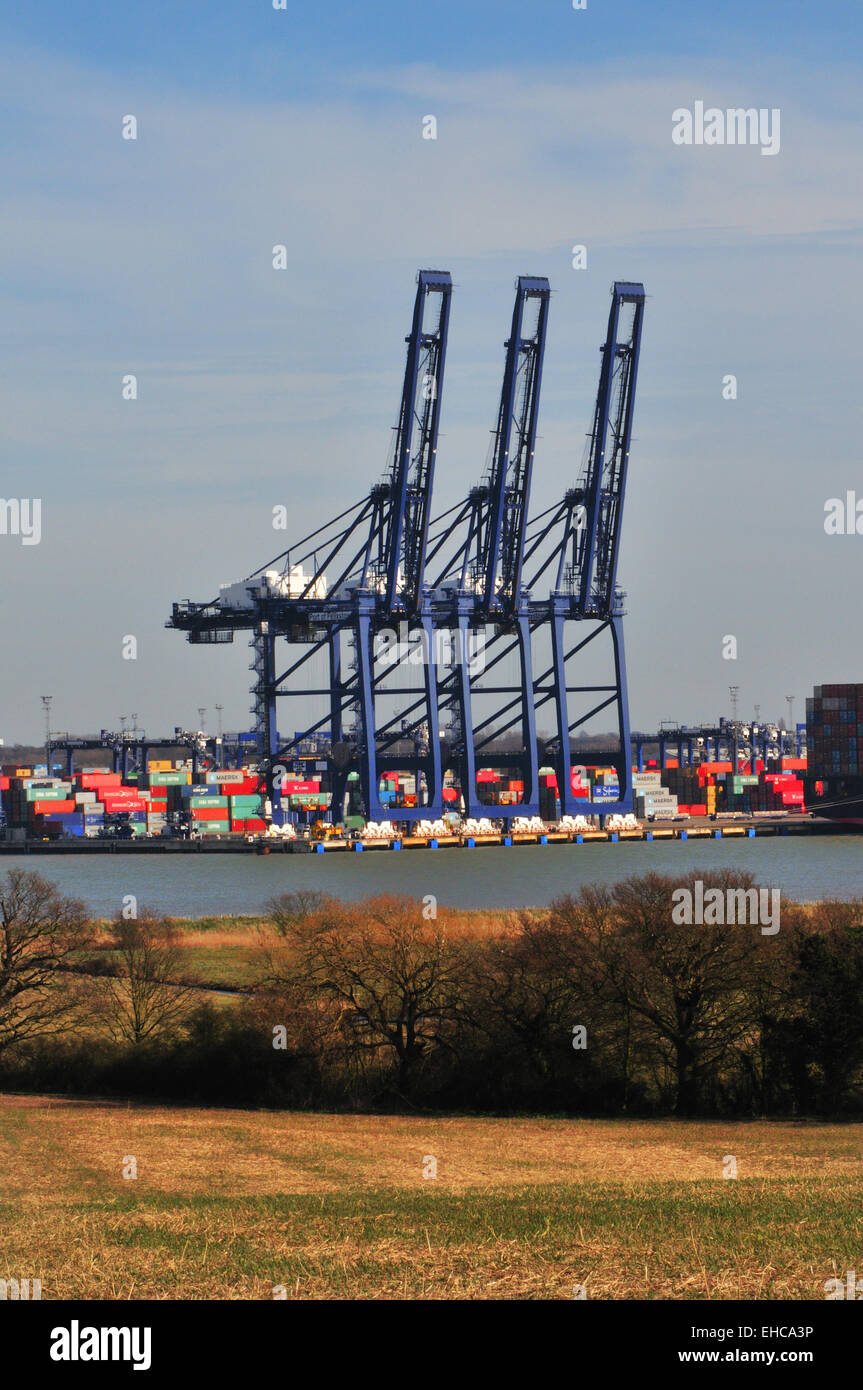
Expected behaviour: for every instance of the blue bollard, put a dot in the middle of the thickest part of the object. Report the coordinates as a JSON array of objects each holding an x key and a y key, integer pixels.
[
  {"x": 615, "y": 838},
  {"x": 579, "y": 839},
  {"x": 717, "y": 834},
  {"x": 543, "y": 839},
  {"x": 649, "y": 835},
  {"x": 684, "y": 835},
  {"x": 507, "y": 840},
  {"x": 471, "y": 842},
  {"x": 358, "y": 848},
  {"x": 319, "y": 849},
  {"x": 751, "y": 832},
  {"x": 433, "y": 844},
  {"x": 397, "y": 844}
]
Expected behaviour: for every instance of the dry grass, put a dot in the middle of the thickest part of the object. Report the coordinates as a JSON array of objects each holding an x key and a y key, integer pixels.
[{"x": 228, "y": 1204}]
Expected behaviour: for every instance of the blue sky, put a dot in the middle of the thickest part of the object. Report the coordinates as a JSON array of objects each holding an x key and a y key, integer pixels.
[{"x": 257, "y": 388}]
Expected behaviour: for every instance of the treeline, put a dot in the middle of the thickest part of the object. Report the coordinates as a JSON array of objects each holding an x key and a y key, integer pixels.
[{"x": 603, "y": 1004}]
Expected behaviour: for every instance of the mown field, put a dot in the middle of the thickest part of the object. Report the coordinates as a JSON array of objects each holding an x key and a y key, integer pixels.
[{"x": 234, "y": 1204}]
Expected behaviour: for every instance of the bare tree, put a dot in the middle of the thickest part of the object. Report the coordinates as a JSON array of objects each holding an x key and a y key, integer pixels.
[
  {"x": 686, "y": 984},
  {"x": 380, "y": 977},
  {"x": 149, "y": 996},
  {"x": 40, "y": 933}
]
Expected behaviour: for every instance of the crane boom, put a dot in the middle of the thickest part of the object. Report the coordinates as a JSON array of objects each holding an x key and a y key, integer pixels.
[
  {"x": 515, "y": 438},
  {"x": 604, "y": 480},
  {"x": 416, "y": 444}
]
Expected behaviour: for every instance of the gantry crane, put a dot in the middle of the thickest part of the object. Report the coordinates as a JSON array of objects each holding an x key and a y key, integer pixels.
[
  {"x": 584, "y": 535},
  {"x": 376, "y": 550},
  {"x": 336, "y": 593},
  {"x": 477, "y": 594}
]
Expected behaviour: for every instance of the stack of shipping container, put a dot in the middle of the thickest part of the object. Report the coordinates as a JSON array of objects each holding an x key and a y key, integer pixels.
[
  {"x": 834, "y": 729},
  {"x": 90, "y": 802}
]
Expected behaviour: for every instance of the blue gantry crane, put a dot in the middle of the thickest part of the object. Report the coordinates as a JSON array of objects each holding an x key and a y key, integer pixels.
[
  {"x": 585, "y": 603},
  {"x": 338, "y": 589},
  {"x": 467, "y": 585},
  {"x": 477, "y": 595}
]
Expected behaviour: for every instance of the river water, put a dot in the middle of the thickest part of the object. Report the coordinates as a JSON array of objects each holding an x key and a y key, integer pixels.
[{"x": 525, "y": 875}]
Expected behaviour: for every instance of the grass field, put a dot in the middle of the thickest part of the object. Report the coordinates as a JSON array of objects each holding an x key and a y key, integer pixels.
[{"x": 231, "y": 1204}]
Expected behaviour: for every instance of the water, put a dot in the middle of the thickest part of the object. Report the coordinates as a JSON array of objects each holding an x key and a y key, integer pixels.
[{"x": 191, "y": 886}]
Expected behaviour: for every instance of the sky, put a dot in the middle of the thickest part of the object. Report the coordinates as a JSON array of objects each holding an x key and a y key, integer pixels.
[{"x": 257, "y": 387}]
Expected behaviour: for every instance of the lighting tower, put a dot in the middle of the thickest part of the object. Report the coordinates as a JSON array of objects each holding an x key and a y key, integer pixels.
[
  {"x": 46, "y": 703},
  {"x": 734, "y": 691}
]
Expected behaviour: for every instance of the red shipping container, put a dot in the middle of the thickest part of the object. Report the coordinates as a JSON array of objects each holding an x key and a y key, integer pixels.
[
  {"x": 44, "y": 808},
  {"x": 293, "y": 788},
  {"x": 89, "y": 781},
  {"x": 698, "y": 810},
  {"x": 486, "y": 774},
  {"x": 253, "y": 824},
  {"x": 238, "y": 825},
  {"x": 205, "y": 813},
  {"x": 4, "y": 784}
]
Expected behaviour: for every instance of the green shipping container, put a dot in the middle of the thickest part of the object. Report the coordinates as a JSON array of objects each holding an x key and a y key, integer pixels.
[{"x": 167, "y": 779}]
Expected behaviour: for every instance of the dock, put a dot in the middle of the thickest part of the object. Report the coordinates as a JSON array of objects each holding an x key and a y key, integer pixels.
[{"x": 683, "y": 830}]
